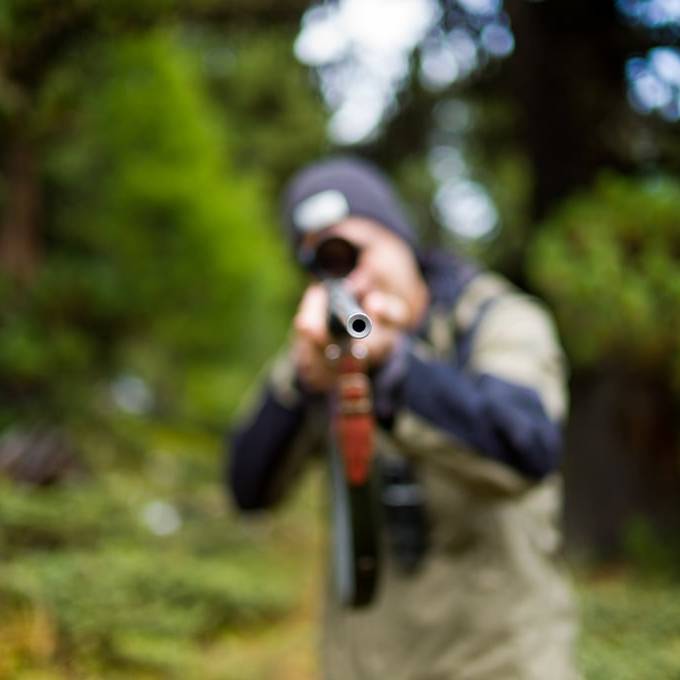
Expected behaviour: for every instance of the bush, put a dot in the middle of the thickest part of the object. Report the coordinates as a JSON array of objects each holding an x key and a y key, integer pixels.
[{"x": 608, "y": 262}]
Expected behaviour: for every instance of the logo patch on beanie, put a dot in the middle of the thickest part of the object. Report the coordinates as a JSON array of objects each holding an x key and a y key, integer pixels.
[{"x": 320, "y": 211}]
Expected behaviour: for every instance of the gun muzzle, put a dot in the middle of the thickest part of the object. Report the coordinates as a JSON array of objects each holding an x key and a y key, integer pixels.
[{"x": 346, "y": 311}]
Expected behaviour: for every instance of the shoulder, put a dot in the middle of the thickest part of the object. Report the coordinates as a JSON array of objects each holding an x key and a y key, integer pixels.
[
  {"x": 496, "y": 306},
  {"x": 513, "y": 336},
  {"x": 482, "y": 291},
  {"x": 505, "y": 314}
]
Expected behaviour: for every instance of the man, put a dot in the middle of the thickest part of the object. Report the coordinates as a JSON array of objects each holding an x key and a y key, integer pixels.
[{"x": 468, "y": 386}]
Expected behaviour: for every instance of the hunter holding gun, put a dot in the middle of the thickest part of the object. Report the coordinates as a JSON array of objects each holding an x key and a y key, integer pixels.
[{"x": 445, "y": 422}]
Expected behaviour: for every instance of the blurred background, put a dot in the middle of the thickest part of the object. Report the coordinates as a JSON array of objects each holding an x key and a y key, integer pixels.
[{"x": 143, "y": 284}]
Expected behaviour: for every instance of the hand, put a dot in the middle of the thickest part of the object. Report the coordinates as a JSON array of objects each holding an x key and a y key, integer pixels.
[
  {"x": 390, "y": 316},
  {"x": 311, "y": 340}
]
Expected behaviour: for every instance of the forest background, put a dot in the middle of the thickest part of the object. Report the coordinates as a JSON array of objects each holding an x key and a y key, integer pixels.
[{"x": 143, "y": 284}]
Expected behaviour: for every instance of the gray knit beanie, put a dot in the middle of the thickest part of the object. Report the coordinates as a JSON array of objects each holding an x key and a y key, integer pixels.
[{"x": 325, "y": 193}]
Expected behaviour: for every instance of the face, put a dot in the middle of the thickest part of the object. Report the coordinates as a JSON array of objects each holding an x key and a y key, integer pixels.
[{"x": 386, "y": 263}]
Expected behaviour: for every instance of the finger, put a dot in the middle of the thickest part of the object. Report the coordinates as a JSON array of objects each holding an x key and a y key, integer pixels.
[
  {"x": 310, "y": 320},
  {"x": 388, "y": 309}
]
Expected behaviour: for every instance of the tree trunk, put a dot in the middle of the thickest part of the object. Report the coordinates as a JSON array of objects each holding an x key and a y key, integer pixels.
[
  {"x": 19, "y": 237},
  {"x": 621, "y": 462},
  {"x": 567, "y": 78}
]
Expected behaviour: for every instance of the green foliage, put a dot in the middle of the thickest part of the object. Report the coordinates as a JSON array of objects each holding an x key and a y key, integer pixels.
[
  {"x": 159, "y": 146},
  {"x": 149, "y": 190},
  {"x": 156, "y": 238},
  {"x": 280, "y": 121},
  {"x": 608, "y": 260},
  {"x": 652, "y": 551},
  {"x": 630, "y": 628},
  {"x": 115, "y": 588}
]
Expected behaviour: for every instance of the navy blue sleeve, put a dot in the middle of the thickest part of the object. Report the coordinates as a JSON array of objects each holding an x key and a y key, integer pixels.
[
  {"x": 259, "y": 452},
  {"x": 499, "y": 419}
]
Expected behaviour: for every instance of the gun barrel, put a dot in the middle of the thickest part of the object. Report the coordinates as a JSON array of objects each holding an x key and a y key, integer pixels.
[{"x": 344, "y": 307}]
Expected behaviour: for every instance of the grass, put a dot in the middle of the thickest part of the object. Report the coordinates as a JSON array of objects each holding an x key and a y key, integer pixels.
[
  {"x": 88, "y": 590},
  {"x": 631, "y": 626}
]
